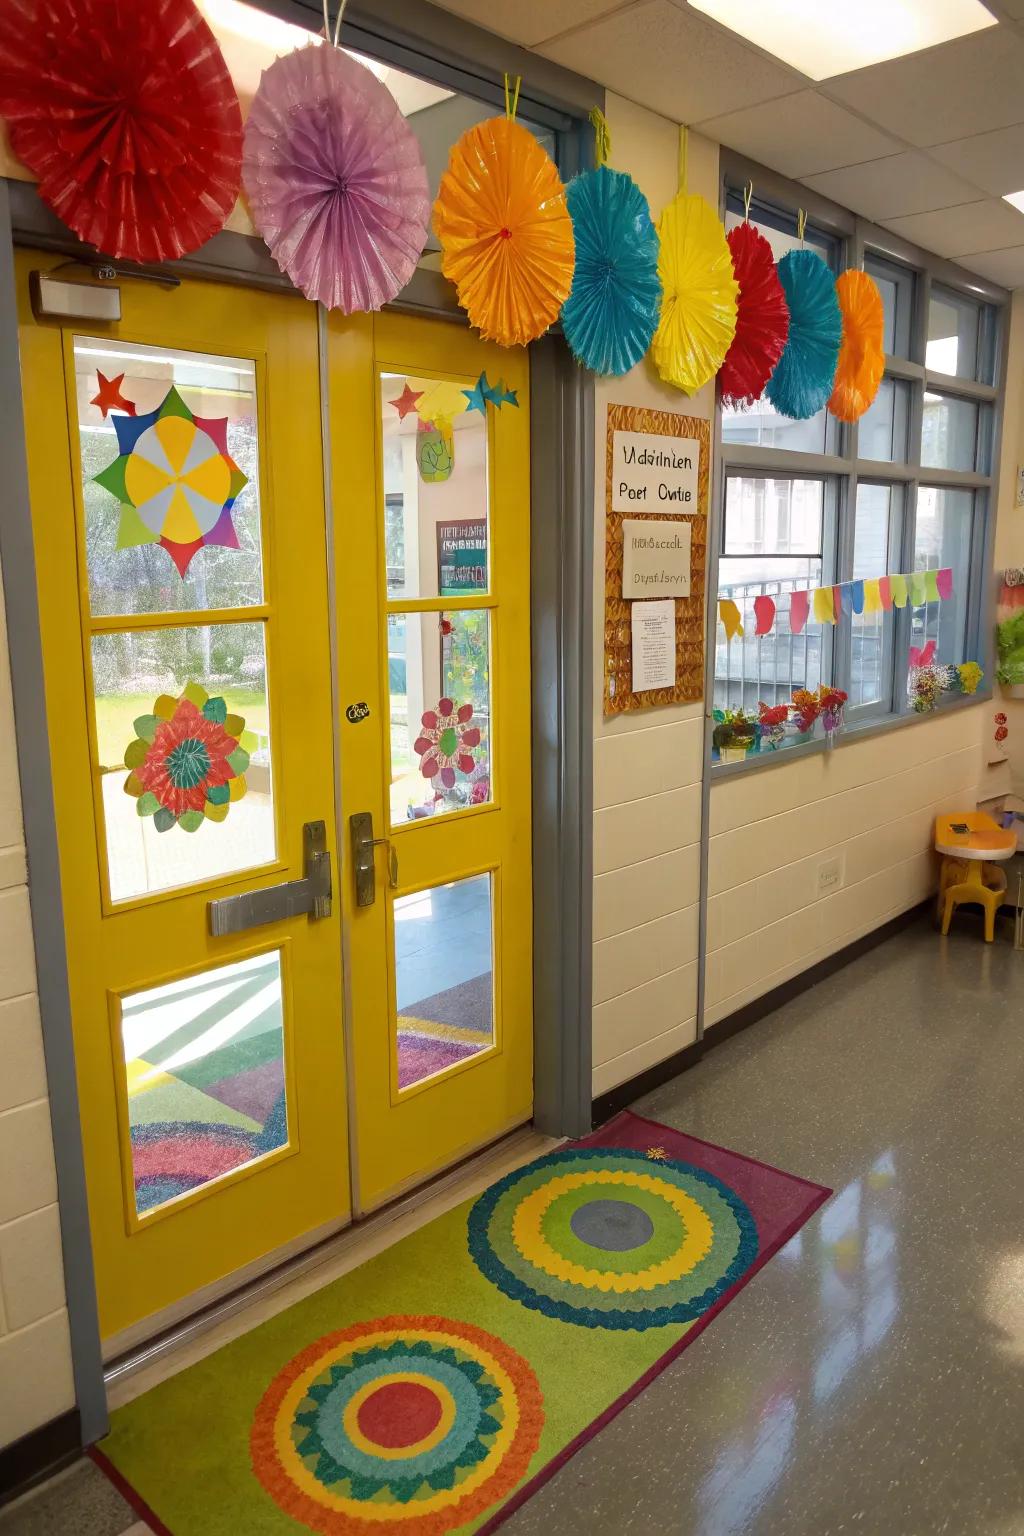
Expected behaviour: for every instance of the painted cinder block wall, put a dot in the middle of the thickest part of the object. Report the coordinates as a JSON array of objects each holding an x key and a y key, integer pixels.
[
  {"x": 35, "y": 1357},
  {"x": 648, "y": 765}
]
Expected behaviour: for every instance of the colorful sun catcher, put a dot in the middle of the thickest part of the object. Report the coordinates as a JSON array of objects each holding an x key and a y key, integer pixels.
[
  {"x": 175, "y": 480},
  {"x": 188, "y": 760}
]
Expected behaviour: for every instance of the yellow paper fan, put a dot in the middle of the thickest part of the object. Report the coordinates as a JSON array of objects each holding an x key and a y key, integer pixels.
[{"x": 698, "y": 310}]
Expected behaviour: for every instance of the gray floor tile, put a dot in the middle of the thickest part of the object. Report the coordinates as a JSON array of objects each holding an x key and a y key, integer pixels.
[{"x": 80, "y": 1502}]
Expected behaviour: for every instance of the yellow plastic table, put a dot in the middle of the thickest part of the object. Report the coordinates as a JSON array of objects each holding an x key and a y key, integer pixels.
[{"x": 972, "y": 846}]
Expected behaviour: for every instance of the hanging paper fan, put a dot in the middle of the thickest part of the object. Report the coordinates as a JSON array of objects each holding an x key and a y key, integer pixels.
[
  {"x": 762, "y": 318},
  {"x": 802, "y": 383},
  {"x": 698, "y": 309},
  {"x": 612, "y": 312},
  {"x": 126, "y": 113},
  {"x": 335, "y": 179},
  {"x": 862, "y": 353},
  {"x": 505, "y": 232}
]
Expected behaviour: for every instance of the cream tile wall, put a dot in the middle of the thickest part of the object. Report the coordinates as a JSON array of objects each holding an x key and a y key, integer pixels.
[
  {"x": 870, "y": 803},
  {"x": 647, "y": 766},
  {"x": 35, "y": 1355}
]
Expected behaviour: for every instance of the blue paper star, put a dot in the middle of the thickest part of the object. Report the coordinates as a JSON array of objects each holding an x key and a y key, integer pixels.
[
  {"x": 508, "y": 396},
  {"x": 479, "y": 395}
]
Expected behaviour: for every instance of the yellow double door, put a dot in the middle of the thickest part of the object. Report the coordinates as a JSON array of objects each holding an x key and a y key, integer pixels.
[{"x": 288, "y": 696}]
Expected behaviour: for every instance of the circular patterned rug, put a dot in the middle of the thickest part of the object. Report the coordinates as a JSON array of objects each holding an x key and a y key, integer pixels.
[
  {"x": 609, "y": 1238},
  {"x": 417, "y": 1422}
]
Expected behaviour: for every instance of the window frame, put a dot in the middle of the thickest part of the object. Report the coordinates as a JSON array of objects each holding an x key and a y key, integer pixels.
[{"x": 858, "y": 242}]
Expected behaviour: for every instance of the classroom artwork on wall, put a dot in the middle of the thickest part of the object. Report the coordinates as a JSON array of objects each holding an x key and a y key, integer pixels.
[{"x": 656, "y": 478}]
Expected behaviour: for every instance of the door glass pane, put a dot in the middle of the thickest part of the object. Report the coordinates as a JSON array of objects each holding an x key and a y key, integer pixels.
[
  {"x": 883, "y": 427},
  {"x": 183, "y": 466},
  {"x": 435, "y": 488},
  {"x": 875, "y": 534},
  {"x": 439, "y": 681},
  {"x": 444, "y": 977},
  {"x": 183, "y": 740},
  {"x": 204, "y": 1074},
  {"x": 949, "y": 433},
  {"x": 942, "y": 538}
]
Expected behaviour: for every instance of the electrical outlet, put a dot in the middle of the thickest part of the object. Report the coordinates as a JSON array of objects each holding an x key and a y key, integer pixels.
[{"x": 830, "y": 874}]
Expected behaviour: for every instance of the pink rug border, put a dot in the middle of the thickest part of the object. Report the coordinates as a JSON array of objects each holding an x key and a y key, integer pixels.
[{"x": 559, "y": 1460}]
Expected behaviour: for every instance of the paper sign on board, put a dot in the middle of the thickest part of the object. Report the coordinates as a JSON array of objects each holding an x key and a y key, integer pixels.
[{"x": 655, "y": 558}]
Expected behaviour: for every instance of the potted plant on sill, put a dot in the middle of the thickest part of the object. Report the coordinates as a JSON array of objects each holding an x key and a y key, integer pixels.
[
  {"x": 804, "y": 711},
  {"x": 831, "y": 703},
  {"x": 771, "y": 721},
  {"x": 735, "y": 734}
]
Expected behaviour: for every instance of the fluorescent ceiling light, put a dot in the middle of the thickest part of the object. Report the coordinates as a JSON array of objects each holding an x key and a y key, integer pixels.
[
  {"x": 823, "y": 40},
  {"x": 1016, "y": 198}
]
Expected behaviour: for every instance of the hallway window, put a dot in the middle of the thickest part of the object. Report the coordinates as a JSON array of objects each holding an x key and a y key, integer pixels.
[{"x": 908, "y": 488}]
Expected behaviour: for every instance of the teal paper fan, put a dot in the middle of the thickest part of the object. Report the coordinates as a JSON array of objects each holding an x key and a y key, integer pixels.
[
  {"x": 802, "y": 383},
  {"x": 612, "y": 310}
]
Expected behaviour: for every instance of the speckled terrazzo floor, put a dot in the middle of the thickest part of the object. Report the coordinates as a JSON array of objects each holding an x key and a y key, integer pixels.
[{"x": 871, "y": 1379}]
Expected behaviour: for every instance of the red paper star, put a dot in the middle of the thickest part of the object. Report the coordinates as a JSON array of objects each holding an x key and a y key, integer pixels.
[
  {"x": 406, "y": 401},
  {"x": 110, "y": 396}
]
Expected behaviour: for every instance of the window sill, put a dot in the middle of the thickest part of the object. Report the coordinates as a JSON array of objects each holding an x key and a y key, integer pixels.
[{"x": 851, "y": 732}]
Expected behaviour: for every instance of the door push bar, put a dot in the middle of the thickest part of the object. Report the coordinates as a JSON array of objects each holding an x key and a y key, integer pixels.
[{"x": 292, "y": 898}]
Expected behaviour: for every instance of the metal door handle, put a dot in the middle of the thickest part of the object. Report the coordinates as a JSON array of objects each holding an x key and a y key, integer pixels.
[
  {"x": 363, "y": 844},
  {"x": 292, "y": 898}
]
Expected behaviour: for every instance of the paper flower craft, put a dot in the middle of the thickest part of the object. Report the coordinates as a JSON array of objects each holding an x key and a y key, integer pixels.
[
  {"x": 188, "y": 760},
  {"x": 126, "y": 114},
  {"x": 175, "y": 480},
  {"x": 862, "y": 352},
  {"x": 446, "y": 742},
  {"x": 698, "y": 307},
  {"x": 505, "y": 232},
  {"x": 762, "y": 318},
  {"x": 802, "y": 382},
  {"x": 612, "y": 312},
  {"x": 335, "y": 179}
]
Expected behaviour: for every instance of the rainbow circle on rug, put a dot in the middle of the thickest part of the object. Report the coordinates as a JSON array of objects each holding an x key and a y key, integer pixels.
[
  {"x": 420, "y": 1423},
  {"x": 609, "y": 1238}
]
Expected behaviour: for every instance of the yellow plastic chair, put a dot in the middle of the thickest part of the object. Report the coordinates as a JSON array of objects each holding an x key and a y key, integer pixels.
[{"x": 972, "y": 846}]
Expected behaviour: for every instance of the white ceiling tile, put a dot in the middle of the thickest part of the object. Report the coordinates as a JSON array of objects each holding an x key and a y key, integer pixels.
[
  {"x": 985, "y": 226},
  {"x": 1006, "y": 267},
  {"x": 530, "y": 21},
  {"x": 671, "y": 61},
  {"x": 799, "y": 135},
  {"x": 993, "y": 161},
  {"x": 897, "y": 184},
  {"x": 970, "y": 86}
]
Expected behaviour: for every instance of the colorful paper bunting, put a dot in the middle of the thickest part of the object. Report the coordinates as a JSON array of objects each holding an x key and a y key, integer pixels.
[
  {"x": 730, "y": 616},
  {"x": 858, "y": 596},
  {"x": 799, "y": 610},
  {"x": 918, "y": 590},
  {"x": 944, "y": 582},
  {"x": 824, "y": 606},
  {"x": 872, "y": 596},
  {"x": 764, "y": 612},
  {"x": 885, "y": 592},
  {"x": 898, "y": 591}
]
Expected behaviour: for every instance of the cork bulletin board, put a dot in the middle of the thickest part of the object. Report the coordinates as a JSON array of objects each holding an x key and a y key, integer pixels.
[{"x": 689, "y": 621}]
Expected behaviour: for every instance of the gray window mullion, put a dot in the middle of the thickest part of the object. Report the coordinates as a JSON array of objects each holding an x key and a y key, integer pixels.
[{"x": 846, "y": 515}]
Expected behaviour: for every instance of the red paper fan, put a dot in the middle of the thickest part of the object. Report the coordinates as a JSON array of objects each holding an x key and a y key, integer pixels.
[
  {"x": 762, "y": 320},
  {"x": 125, "y": 111}
]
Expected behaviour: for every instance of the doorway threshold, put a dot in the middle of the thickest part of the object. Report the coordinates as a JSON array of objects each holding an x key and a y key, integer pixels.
[{"x": 137, "y": 1370}]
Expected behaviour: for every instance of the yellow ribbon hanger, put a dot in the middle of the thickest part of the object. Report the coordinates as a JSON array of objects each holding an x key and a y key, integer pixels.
[
  {"x": 748, "y": 192},
  {"x": 329, "y": 36},
  {"x": 801, "y": 224},
  {"x": 602, "y": 136},
  {"x": 512, "y": 95}
]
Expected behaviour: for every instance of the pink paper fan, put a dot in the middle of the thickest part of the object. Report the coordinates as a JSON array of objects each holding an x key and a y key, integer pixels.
[{"x": 335, "y": 179}]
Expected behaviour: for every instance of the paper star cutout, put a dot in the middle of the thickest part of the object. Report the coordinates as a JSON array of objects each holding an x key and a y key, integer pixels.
[
  {"x": 406, "y": 401},
  {"x": 508, "y": 396},
  {"x": 110, "y": 396},
  {"x": 657, "y": 1154},
  {"x": 478, "y": 396}
]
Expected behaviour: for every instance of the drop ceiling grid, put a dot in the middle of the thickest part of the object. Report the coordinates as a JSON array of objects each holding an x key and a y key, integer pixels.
[{"x": 925, "y": 144}]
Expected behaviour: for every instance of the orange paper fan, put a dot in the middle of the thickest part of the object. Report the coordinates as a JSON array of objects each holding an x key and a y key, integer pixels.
[
  {"x": 862, "y": 354},
  {"x": 505, "y": 232}
]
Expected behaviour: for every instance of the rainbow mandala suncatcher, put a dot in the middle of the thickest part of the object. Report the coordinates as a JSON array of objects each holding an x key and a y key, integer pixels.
[{"x": 175, "y": 480}]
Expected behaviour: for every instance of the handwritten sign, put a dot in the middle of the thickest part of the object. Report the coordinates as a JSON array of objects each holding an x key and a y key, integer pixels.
[
  {"x": 654, "y": 473},
  {"x": 655, "y": 558}
]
